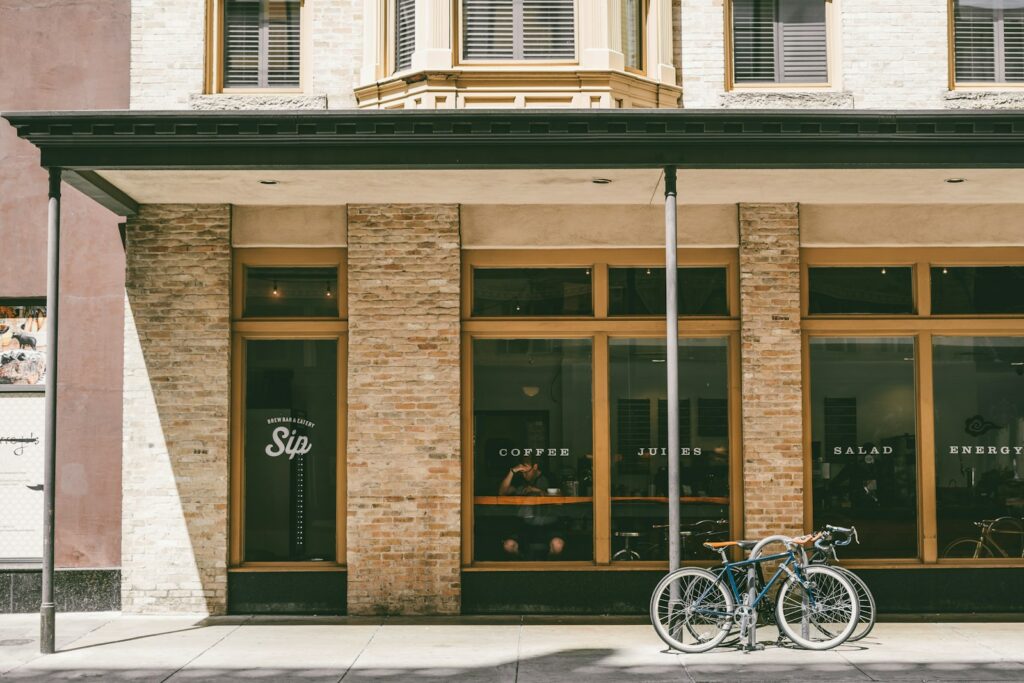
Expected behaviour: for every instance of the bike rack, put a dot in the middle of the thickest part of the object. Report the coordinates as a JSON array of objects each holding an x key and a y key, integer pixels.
[{"x": 751, "y": 617}]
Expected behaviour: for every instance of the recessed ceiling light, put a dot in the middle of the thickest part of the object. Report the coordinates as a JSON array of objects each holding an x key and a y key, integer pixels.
[
  {"x": 601, "y": 181},
  {"x": 657, "y": 360},
  {"x": 268, "y": 182},
  {"x": 954, "y": 181}
]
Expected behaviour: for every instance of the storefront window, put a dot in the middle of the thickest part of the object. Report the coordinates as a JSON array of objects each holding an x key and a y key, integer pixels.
[
  {"x": 291, "y": 292},
  {"x": 979, "y": 446},
  {"x": 290, "y": 450},
  {"x": 864, "y": 441},
  {"x": 641, "y": 291},
  {"x": 522, "y": 292},
  {"x": 971, "y": 290},
  {"x": 532, "y": 449},
  {"x": 879, "y": 290},
  {"x": 639, "y": 441}
]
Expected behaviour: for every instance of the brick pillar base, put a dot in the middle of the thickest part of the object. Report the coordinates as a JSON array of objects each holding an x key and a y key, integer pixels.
[
  {"x": 176, "y": 398},
  {"x": 403, "y": 454},
  {"x": 771, "y": 369}
]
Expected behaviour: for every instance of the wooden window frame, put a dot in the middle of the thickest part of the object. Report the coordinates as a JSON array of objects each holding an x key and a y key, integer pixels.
[
  {"x": 832, "y": 32},
  {"x": 314, "y": 328},
  {"x": 458, "y": 60},
  {"x": 214, "y": 59},
  {"x": 645, "y": 25},
  {"x": 951, "y": 61},
  {"x": 599, "y": 328},
  {"x": 921, "y": 327}
]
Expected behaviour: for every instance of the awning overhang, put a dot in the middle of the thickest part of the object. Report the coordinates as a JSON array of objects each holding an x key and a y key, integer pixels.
[{"x": 91, "y": 147}]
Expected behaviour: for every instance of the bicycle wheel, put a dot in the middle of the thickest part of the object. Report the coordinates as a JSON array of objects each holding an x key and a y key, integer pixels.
[
  {"x": 967, "y": 547},
  {"x": 866, "y": 620},
  {"x": 691, "y": 610},
  {"x": 820, "y": 613}
]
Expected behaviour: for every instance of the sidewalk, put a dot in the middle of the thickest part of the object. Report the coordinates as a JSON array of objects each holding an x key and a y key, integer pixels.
[{"x": 111, "y": 647}]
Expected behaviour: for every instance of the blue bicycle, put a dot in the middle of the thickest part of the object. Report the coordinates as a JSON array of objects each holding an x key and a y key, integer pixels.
[{"x": 816, "y": 607}]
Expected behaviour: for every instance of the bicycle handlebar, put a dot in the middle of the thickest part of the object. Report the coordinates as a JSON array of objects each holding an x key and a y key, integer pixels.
[{"x": 849, "y": 535}]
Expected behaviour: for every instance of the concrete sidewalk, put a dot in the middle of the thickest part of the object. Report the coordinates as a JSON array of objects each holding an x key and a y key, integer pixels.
[{"x": 112, "y": 647}]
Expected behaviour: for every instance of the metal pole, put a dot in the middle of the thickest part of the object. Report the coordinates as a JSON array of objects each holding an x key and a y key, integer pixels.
[
  {"x": 47, "y": 609},
  {"x": 672, "y": 366}
]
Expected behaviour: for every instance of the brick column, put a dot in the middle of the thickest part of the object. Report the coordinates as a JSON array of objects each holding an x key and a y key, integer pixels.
[
  {"x": 403, "y": 456},
  {"x": 176, "y": 393},
  {"x": 771, "y": 369}
]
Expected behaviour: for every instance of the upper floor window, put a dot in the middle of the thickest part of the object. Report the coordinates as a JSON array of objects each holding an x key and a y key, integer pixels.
[
  {"x": 988, "y": 40},
  {"x": 779, "y": 41},
  {"x": 519, "y": 29},
  {"x": 261, "y": 43},
  {"x": 633, "y": 15},
  {"x": 405, "y": 33}
]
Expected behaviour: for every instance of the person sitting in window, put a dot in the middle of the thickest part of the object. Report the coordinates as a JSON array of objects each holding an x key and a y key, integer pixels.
[{"x": 537, "y": 531}]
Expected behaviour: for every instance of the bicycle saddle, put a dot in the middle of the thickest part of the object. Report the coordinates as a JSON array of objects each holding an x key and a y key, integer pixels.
[{"x": 746, "y": 545}]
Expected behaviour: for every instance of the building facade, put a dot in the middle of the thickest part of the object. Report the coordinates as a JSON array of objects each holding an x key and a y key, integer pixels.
[{"x": 441, "y": 389}]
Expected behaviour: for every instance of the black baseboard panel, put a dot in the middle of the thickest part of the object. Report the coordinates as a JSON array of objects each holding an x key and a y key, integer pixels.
[
  {"x": 322, "y": 593},
  {"x": 74, "y": 590},
  {"x": 897, "y": 591}
]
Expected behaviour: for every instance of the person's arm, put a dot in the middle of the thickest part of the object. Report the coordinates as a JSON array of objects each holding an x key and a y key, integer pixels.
[{"x": 505, "y": 487}]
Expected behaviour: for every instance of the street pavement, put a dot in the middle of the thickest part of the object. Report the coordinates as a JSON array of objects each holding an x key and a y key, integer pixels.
[{"x": 114, "y": 647}]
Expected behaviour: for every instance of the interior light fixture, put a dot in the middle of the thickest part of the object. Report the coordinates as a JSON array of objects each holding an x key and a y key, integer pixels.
[
  {"x": 883, "y": 271},
  {"x": 945, "y": 271},
  {"x": 268, "y": 182},
  {"x": 275, "y": 291},
  {"x": 329, "y": 292},
  {"x": 648, "y": 271},
  {"x": 601, "y": 181},
  {"x": 657, "y": 360},
  {"x": 530, "y": 391},
  {"x": 955, "y": 181}
]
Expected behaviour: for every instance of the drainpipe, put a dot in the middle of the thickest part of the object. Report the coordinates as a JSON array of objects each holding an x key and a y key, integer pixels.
[
  {"x": 47, "y": 608},
  {"x": 672, "y": 366}
]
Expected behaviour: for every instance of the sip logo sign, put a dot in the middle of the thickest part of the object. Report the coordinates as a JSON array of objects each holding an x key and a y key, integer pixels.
[{"x": 285, "y": 438}]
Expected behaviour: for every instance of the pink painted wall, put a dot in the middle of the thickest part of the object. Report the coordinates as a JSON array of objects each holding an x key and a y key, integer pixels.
[{"x": 70, "y": 54}]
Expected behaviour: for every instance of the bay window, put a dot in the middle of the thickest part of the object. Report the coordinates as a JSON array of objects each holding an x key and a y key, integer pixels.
[{"x": 518, "y": 29}]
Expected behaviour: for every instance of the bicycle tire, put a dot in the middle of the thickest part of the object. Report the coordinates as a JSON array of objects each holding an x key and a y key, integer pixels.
[
  {"x": 833, "y": 611},
  {"x": 868, "y": 615},
  {"x": 702, "y": 609},
  {"x": 972, "y": 548}
]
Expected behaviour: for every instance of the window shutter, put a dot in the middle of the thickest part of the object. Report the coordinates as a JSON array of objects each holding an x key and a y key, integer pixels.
[
  {"x": 241, "y": 43},
  {"x": 487, "y": 29},
  {"x": 405, "y": 33},
  {"x": 753, "y": 41},
  {"x": 283, "y": 38},
  {"x": 1013, "y": 44},
  {"x": 549, "y": 29},
  {"x": 802, "y": 39},
  {"x": 974, "y": 41},
  {"x": 518, "y": 29},
  {"x": 261, "y": 43}
]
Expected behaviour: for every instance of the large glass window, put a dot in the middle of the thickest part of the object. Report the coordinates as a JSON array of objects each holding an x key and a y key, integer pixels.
[
  {"x": 532, "y": 449},
  {"x": 639, "y": 441},
  {"x": 977, "y": 290},
  {"x": 290, "y": 450},
  {"x": 524, "y": 292},
  {"x": 519, "y": 29},
  {"x": 641, "y": 291},
  {"x": 882, "y": 290},
  {"x": 979, "y": 446},
  {"x": 864, "y": 441},
  {"x": 291, "y": 292}
]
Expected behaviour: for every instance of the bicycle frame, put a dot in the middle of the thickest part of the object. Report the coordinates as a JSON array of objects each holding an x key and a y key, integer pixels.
[{"x": 791, "y": 559}]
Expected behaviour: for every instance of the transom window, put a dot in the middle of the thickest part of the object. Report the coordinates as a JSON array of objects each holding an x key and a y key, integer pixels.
[
  {"x": 988, "y": 40},
  {"x": 518, "y": 29},
  {"x": 261, "y": 44},
  {"x": 779, "y": 41}
]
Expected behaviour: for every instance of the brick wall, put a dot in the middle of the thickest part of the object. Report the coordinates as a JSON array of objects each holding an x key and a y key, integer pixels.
[
  {"x": 168, "y": 52},
  {"x": 771, "y": 369},
  {"x": 404, "y": 478},
  {"x": 176, "y": 401}
]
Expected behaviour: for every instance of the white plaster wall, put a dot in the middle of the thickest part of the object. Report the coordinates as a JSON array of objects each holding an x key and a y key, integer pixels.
[{"x": 288, "y": 226}]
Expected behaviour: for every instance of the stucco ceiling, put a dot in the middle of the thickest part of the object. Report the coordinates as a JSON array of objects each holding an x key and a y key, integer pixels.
[{"x": 570, "y": 186}]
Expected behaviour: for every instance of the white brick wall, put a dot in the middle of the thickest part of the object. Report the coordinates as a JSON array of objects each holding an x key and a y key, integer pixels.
[
  {"x": 702, "y": 52},
  {"x": 168, "y": 54}
]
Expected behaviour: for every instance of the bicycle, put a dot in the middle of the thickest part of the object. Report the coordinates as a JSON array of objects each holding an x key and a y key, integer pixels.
[
  {"x": 826, "y": 555},
  {"x": 986, "y": 545},
  {"x": 693, "y": 610}
]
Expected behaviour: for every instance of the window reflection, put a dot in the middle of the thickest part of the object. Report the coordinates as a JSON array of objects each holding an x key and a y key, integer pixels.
[
  {"x": 639, "y": 441},
  {"x": 863, "y": 431},
  {"x": 979, "y": 446},
  {"x": 532, "y": 449},
  {"x": 835, "y": 290},
  {"x": 291, "y": 401},
  {"x": 519, "y": 292},
  {"x": 641, "y": 291},
  {"x": 977, "y": 290}
]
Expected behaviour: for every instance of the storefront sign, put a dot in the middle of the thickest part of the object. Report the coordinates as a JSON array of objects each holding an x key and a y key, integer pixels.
[
  {"x": 286, "y": 440},
  {"x": 986, "y": 450},
  {"x": 22, "y": 345},
  {"x": 861, "y": 450},
  {"x": 649, "y": 452},
  {"x": 534, "y": 452},
  {"x": 21, "y": 476}
]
